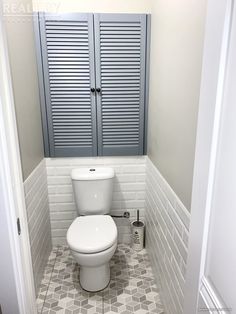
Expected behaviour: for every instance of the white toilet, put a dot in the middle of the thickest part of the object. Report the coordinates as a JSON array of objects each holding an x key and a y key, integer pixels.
[{"x": 92, "y": 237}]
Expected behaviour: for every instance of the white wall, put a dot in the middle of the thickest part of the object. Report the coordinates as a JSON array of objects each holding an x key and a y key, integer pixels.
[
  {"x": 128, "y": 195},
  {"x": 138, "y": 185},
  {"x": 176, "y": 58},
  {"x": 221, "y": 253},
  {"x": 8, "y": 295},
  {"x": 95, "y": 6},
  {"x": 167, "y": 225},
  {"x": 21, "y": 47},
  {"x": 37, "y": 206}
]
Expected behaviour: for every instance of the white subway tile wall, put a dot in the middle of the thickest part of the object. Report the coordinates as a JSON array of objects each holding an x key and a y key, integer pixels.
[
  {"x": 167, "y": 222},
  {"x": 36, "y": 196},
  {"x": 128, "y": 195},
  {"x": 137, "y": 185}
]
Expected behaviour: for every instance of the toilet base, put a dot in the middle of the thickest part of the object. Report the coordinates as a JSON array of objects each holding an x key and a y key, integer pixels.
[
  {"x": 94, "y": 268},
  {"x": 94, "y": 278}
]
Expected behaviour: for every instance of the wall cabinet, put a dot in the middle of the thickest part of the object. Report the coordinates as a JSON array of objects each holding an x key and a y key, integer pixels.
[{"x": 93, "y": 82}]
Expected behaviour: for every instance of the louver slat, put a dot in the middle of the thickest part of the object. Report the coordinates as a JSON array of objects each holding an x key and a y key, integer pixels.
[
  {"x": 120, "y": 56},
  {"x": 67, "y": 45}
]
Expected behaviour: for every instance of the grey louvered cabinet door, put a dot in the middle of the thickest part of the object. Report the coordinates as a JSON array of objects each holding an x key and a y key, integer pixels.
[
  {"x": 68, "y": 68},
  {"x": 120, "y": 44}
]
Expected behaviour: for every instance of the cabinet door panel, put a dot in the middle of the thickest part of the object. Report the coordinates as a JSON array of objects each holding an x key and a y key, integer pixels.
[
  {"x": 120, "y": 46},
  {"x": 67, "y": 47}
]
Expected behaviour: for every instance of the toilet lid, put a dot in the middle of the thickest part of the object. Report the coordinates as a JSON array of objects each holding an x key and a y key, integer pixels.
[{"x": 92, "y": 234}]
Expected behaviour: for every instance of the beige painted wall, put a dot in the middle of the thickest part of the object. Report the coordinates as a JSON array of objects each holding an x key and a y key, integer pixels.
[
  {"x": 176, "y": 57},
  {"x": 20, "y": 38},
  {"x": 176, "y": 52},
  {"x": 95, "y": 6}
]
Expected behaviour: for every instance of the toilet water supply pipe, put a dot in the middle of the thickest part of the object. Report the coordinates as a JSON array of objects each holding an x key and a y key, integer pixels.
[{"x": 125, "y": 215}]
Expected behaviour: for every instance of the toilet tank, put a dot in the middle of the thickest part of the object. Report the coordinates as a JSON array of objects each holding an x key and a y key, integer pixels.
[{"x": 93, "y": 189}]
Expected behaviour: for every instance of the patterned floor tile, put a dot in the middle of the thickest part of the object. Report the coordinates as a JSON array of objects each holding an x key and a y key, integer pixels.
[{"x": 132, "y": 288}]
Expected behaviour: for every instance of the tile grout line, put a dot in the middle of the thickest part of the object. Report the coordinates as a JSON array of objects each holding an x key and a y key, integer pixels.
[
  {"x": 103, "y": 310},
  {"x": 130, "y": 270},
  {"x": 49, "y": 280}
]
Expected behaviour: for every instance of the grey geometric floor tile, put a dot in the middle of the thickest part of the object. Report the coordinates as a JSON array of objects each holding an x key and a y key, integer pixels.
[{"x": 132, "y": 288}]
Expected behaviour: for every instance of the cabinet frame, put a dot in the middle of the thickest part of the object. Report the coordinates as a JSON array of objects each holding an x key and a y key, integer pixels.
[{"x": 47, "y": 128}]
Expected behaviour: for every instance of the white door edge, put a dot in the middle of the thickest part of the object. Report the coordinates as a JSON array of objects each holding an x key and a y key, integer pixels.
[
  {"x": 14, "y": 190},
  {"x": 218, "y": 26},
  {"x": 211, "y": 298}
]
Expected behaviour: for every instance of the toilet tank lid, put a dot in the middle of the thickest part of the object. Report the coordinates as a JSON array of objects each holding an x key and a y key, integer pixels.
[{"x": 93, "y": 173}]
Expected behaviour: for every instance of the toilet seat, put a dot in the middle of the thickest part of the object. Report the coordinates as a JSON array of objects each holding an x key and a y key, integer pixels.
[{"x": 92, "y": 234}]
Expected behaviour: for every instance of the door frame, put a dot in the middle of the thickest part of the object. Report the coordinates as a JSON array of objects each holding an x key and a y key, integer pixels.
[
  {"x": 13, "y": 190},
  {"x": 212, "y": 86},
  {"x": 198, "y": 290}
]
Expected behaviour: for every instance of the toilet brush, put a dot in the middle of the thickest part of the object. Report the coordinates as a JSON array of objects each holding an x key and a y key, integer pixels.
[{"x": 138, "y": 233}]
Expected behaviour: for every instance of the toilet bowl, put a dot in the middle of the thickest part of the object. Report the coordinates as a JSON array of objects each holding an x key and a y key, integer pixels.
[
  {"x": 92, "y": 237},
  {"x": 93, "y": 240}
]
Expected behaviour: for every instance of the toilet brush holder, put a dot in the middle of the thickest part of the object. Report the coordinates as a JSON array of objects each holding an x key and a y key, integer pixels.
[{"x": 138, "y": 234}]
